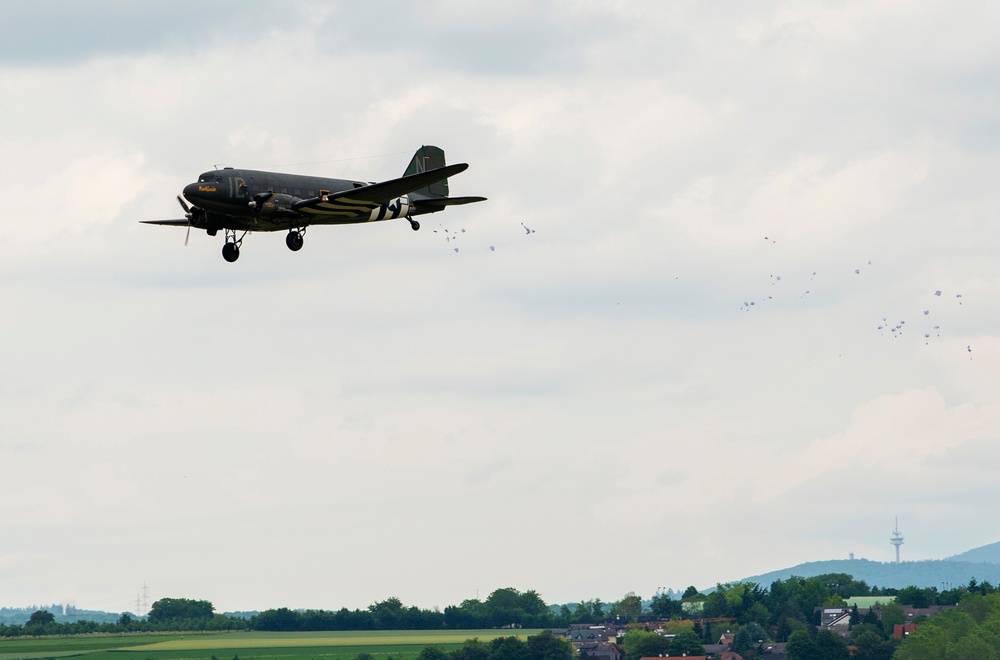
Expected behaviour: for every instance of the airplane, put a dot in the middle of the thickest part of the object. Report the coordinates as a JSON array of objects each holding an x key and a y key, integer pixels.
[{"x": 239, "y": 200}]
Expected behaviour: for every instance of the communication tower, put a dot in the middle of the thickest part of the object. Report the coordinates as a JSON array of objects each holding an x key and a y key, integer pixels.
[{"x": 897, "y": 539}]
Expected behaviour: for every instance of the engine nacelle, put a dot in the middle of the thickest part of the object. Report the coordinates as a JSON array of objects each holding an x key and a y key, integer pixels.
[{"x": 277, "y": 205}]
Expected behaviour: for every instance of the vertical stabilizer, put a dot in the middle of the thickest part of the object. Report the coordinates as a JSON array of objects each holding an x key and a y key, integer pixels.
[{"x": 428, "y": 158}]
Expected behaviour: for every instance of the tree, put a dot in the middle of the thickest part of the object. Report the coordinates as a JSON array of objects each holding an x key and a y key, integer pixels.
[
  {"x": 509, "y": 648},
  {"x": 432, "y": 652},
  {"x": 686, "y": 643},
  {"x": 664, "y": 606},
  {"x": 956, "y": 623},
  {"x": 690, "y": 592},
  {"x": 801, "y": 646},
  {"x": 756, "y": 632},
  {"x": 872, "y": 619},
  {"x": 855, "y": 616},
  {"x": 472, "y": 649},
  {"x": 869, "y": 645},
  {"x": 742, "y": 641},
  {"x": 971, "y": 646},
  {"x": 642, "y": 644},
  {"x": 41, "y": 618},
  {"x": 864, "y": 628},
  {"x": 758, "y": 614},
  {"x": 891, "y": 615},
  {"x": 831, "y": 646},
  {"x": 629, "y": 606},
  {"x": 927, "y": 643},
  {"x": 167, "y": 609},
  {"x": 509, "y": 606},
  {"x": 281, "y": 619},
  {"x": 717, "y": 605},
  {"x": 916, "y": 597},
  {"x": 582, "y": 613},
  {"x": 533, "y": 604},
  {"x": 546, "y": 646},
  {"x": 387, "y": 613}
]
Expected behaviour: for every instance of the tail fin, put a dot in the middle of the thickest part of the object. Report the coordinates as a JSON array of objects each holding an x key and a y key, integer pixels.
[{"x": 428, "y": 158}]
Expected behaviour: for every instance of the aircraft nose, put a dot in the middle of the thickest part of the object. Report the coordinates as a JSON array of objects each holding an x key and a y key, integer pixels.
[{"x": 191, "y": 191}]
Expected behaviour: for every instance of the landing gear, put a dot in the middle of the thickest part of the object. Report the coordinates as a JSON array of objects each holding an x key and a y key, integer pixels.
[
  {"x": 414, "y": 225},
  {"x": 231, "y": 248},
  {"x": 294, "y": 240},
  {"x": 230, "y": 252}
]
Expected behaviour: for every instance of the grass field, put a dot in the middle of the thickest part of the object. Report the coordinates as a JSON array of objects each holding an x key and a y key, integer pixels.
[{"x": 383, "y": 644}]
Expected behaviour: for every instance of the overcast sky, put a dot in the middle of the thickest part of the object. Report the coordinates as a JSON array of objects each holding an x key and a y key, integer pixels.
[{"x": 587, "y": 410}]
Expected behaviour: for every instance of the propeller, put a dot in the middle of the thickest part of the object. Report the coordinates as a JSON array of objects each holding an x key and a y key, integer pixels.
[{"x": 192, "y": 214}]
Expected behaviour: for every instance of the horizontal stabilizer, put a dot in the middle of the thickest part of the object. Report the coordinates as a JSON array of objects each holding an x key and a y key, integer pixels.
[{"x": 447, "y": 201}]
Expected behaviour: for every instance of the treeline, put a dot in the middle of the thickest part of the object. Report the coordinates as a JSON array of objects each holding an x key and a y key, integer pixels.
[
  {"x": 166, "y": 614},
  {"x": 506, "y": 607},
  {"x": 544, "y": 646},
  {"x": 789, "y": 611},
  {"x": 970, "y": 630}
]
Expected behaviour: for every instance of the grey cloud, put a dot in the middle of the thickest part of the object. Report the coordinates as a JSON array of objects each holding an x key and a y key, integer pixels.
[{"x": 59, "y": 32}]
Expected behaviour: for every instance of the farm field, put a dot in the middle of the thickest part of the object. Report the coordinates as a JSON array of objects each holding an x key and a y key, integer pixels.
[{"x": 383, "y": 644}]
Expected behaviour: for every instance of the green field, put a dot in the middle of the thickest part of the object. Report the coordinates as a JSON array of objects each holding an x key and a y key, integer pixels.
[{"x": 383, "y": 644}]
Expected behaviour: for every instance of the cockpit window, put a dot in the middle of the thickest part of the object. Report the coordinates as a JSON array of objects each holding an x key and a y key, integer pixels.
[{"x": 209, "y": 177}]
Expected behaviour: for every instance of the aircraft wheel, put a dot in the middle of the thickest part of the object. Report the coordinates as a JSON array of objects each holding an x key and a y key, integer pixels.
[
  {"x": 294, "y": 241},
  {"x": 414, "y": 225},
  {"x": 230, "y": 252}
]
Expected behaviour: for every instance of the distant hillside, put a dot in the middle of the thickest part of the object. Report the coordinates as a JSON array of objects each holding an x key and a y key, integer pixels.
[
  {"x": 930, "y": 573},
  {"x": 20, "y": 615},
  {"x": 988, "y": 553}
]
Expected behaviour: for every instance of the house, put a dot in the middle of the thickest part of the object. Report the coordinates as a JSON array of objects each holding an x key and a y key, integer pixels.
[
  {"x": 912, "y": 613},
  {"x": 774, "y": 651},
  {"x": 834, "y": 616},
  {"x": 718, "y": 652},
  {"x": 837, "y": 619},
  {"x": 726, "y": 639},
  {"x": 588, "y": 634},
  {"x": 901, "y": 630}
]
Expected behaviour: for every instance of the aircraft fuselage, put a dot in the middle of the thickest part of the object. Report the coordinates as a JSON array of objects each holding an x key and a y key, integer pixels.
[{"x": 256, "y": 200}]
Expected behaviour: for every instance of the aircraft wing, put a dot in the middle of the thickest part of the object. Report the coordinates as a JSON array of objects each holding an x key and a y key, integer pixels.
[
  {"x": 175, "y": 223},
  {"x": 361, "y": 201}
]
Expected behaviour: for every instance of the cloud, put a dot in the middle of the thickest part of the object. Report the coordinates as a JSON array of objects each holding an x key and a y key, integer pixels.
[
  {"x": 378, "y": 385},
  {"x": 804, "y": 204}
]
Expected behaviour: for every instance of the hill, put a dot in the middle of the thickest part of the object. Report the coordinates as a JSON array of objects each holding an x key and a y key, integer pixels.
[
  {"x": 69, "y": 614},
  {"x": 928, "y": 573},
  {"x": 987, "y": 553},
  {"x": 63, "y": 614}
]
